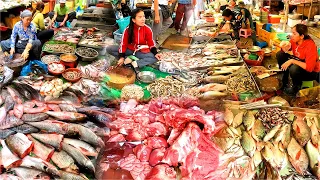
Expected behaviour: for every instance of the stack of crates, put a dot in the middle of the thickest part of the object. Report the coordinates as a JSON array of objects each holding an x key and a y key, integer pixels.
[{"x": 264, "y": 15}]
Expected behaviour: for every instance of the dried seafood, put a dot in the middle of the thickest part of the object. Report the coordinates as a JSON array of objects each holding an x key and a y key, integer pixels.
[
  {"x": 47, "y": 59},
  {"x": 87, "y": 52},
  {"x": 240, "y": 83},
  {"x": 271, "y": 117},
  {"x": 61, "y": 48},
  {"x": 132, "y": 91},
  {"x": 166, "y": 87}
]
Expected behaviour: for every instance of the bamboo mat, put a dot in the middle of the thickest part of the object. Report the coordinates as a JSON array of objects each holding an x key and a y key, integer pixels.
[{"x": 176, "y": 42}]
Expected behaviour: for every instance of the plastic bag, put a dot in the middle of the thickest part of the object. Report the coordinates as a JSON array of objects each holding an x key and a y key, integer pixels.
[
  {"x": 27, "y": 69},
  {"x": 107, "y": 92}
]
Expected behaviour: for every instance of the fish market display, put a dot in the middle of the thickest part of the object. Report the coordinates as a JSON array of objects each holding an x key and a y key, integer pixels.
[
  {"x": 59, "y": 48},
  {"x": 95, "y": 38},
  {"x": 270, "y": 143},
  {"x": 163, "y": 135},
  {"x": 87, "y": 87}
]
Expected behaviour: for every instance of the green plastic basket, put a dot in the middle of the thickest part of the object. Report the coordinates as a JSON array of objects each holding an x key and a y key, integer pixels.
[{"x": 282, "y": 36}]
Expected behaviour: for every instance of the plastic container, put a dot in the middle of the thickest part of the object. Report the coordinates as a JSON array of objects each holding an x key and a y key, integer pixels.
[
  {"x": 274, "y": 19},
  {"x": 68, "y": 62},
  {"x": 210, "y": 19},
  {"x": 262, "y": 44},
  {"x": 75, "y": 79},
  {"x": 54, "y": 72},
  {"x": 257, "y": 62},
  {"x": 282, "y": 36},
  {"x": 123, "y": 23},
  {"x": 117, "y": 36}
]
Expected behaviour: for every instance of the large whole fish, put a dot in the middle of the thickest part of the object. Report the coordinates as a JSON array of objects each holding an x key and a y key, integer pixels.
[
  {"x": 28, "y": 91},
  {"x": 8, "y": 159},
  {"x": 99, "y": 116},
  {"x": 25, "y": 129},
  {"x": 5, "y": 133},
  {"x": 15, "y": 95},
  {"x": 8, "y": 102},
  {"x": 42, "y": 151},
  {"x": 39, "y": 164},
  {"x": 87, "y": 135},
  {"x": 50, "y": 139},
  {"x": 64, "y": 161},
  {"x": 9, "y": 122},
  {"x": 29, "y": 173},
  {"x": 34, "y": 117},
  {"x": 82, "y": 146},
  {"x": 67, "y": 116},
  {"x": 68, "y": 175},
  {"x": 78, "y": 156},
  {"x": 19, "y": 144}
]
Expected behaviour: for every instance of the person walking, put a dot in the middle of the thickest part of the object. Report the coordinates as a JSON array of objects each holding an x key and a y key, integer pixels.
[
  {"x": 162, "y": 17},
  {"x": 184, "y": 10}
]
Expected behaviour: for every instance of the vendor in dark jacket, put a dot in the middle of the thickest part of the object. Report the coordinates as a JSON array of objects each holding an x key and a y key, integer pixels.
[
  {"x": 137, "y": 40},
  {"x": 304, "y": 64}
]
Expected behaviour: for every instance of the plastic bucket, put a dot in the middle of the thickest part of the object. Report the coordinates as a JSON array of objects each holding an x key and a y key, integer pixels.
[{"x": 123, "y": 23}]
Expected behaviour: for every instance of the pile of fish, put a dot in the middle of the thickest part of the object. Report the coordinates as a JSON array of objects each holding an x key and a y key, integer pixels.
[
  {"x": 69, "y": 35},
  {"x": 240, "y": 82},
  {"x": 288, "y": 150},
  {"x": 48, "y": 139}
]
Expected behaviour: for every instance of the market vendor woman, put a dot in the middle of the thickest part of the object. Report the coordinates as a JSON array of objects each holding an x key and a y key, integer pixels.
[
  {"x": 27, "y": 41},
  {"x": 304, "y": 64},
  {"x": 137, "y": 40}
]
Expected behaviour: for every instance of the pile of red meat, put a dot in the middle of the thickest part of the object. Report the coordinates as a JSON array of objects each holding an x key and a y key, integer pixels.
[{"x": 168, "y": 135}]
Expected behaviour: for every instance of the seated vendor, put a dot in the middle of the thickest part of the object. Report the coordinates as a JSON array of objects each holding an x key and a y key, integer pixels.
[
  {"x": 27, "y": 39},
  {"x": 304, "y": 64},
  {"x": 137, "y": 40},
  {"x": 61, "y": 14},
  {"x": 235, "y": 18},
  {"x": 38, "y": 20}
]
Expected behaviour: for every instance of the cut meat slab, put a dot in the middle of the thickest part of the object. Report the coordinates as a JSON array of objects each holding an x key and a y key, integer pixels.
[
  {"x": 197, "y": 155},
  {"x": 156, "y": 156},
  {"x": 162, "y": 172}
]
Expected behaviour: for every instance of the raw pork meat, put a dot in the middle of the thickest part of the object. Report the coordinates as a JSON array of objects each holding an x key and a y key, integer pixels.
[
  {"x": 117, "y": 138},
  {"x": 142, "y": 152},
  {"x": 156, "y": 156},
  {"x": 139, "y": 170},
  {"x": 173, "y": 135},
  {"x": 162, "y": 172},
  {"x": 157, "y": 142},
  {"x": 198, "y": 155}
]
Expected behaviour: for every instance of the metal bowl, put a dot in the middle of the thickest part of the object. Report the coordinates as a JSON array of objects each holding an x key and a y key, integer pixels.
[
  {"x": 254, "y": 49},
  {"x": 84, "y": 58},
  {"x": 147, "y": 77}
]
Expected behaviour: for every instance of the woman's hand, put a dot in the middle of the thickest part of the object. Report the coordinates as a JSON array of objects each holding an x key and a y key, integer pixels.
[
  {"x": 157, "y": 19},
  {"x": 120, "y": 62},
  {"x": 285, "y": 66},
  {"x": 158, "y": 56}
]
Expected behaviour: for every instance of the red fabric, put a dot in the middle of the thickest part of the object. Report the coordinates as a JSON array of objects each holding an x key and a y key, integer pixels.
[
  {"x": 141, "y": 36},
  {"x": 307, "y": 51}
]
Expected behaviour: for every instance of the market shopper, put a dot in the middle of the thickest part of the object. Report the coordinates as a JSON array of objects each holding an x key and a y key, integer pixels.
[
  {"x": 235, "y": 19},
  {"x": 303, "y": 65},
  {"x": 38, "y": 19},
  {"x": 184, "y": 10},
  {"x": 61, "y": 14},
  {"x": 23, "y": 38},
  {"x": 137, "y": 40},
  {"x": 162, "y": 17},
  {"x": 248, "y": 21}
]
